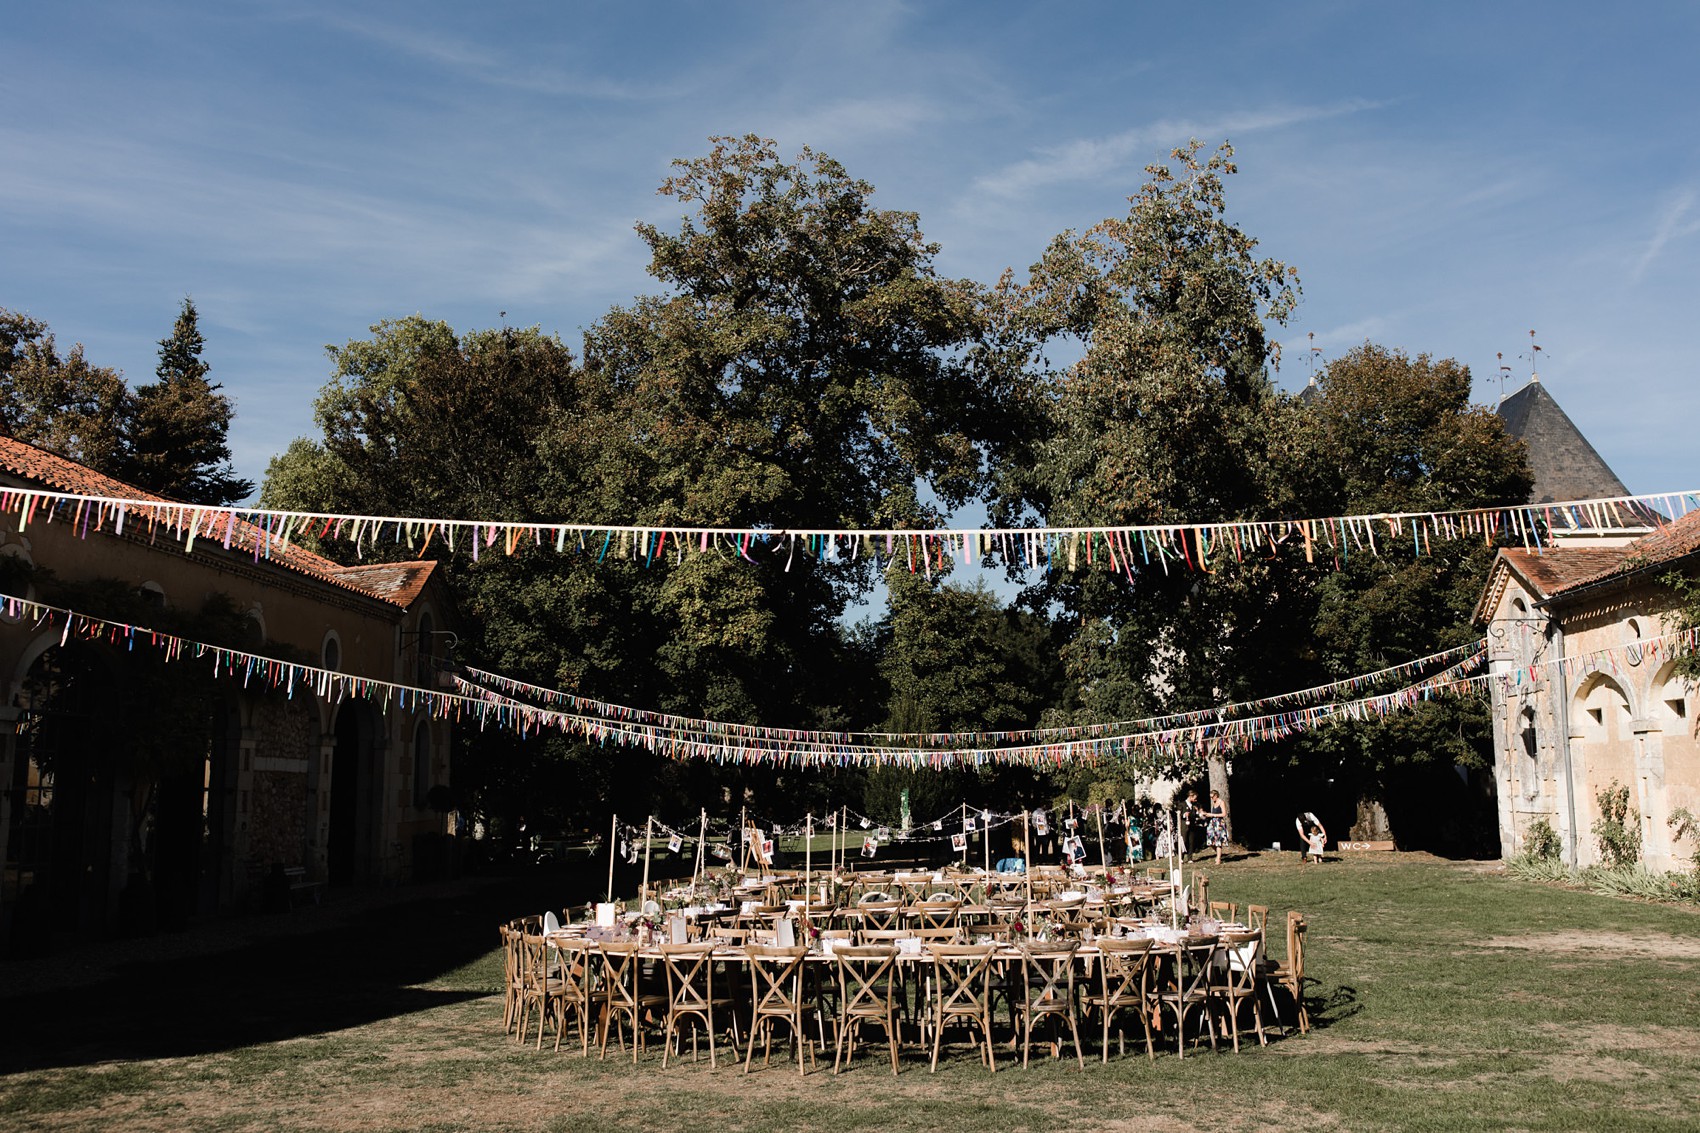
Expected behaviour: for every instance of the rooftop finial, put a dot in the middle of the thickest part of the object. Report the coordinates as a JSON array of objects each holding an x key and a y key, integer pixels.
[
  {"x": 1311, "y": 355},
  {"x": 1534, "y": 360},
  {"x": 1504, "y": 373}
]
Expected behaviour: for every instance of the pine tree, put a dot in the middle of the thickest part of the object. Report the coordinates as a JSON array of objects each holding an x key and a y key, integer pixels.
[{"x": 176, "y": 431}]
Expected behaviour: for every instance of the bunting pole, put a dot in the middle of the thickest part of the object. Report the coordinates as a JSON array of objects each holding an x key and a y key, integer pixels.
[{"x": 613, "y": 848}]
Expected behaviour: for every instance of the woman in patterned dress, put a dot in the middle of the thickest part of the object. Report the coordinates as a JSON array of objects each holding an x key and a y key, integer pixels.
[{"x": 1216, "y": 825}]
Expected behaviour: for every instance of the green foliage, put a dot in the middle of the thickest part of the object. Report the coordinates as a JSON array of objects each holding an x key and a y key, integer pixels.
[
  {"x": 1168, "y": 415},
  {"x": 1618, "y": 829},
  {"x": 59, "y": 402},
  {"x": 1687, "y": 592},
  {"x": 176, "y": 428},
  {"x": 806, "y": 366},
  {"x": 168, "y": 437},
  {"x": 1530, "y": 867},
  {"x": 1683, "y": 825},
  {"x": 1541, "y": 841}
]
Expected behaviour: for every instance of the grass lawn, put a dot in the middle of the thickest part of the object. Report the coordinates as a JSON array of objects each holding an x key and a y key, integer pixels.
[{"x": 1447, "y": 997}]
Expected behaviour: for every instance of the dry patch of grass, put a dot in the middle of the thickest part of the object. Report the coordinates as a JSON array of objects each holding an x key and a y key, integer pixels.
[{"x": 1603, "y": 944}]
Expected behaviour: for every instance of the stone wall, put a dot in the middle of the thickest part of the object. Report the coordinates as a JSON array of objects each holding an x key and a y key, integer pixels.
[{"x": 283, "y": 746}]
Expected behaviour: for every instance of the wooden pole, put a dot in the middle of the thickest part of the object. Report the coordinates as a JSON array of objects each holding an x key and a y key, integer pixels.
[
  {"x": 613, "y": 848},
  {"x": 1027, "y": 866},
  {"x": 643, "y": 890},
  {"x": 1103, "y": 854},
  {"x": 743, "y": 837},
  {"x": 702, "y": 848},
  {"x": 808, "y": 858},
  {"x": 1127, "y": 836},
  {"x": 986, "y": 840},
  {"x": 1174, "y": 880},
  {"x": 965, "y": 839}
]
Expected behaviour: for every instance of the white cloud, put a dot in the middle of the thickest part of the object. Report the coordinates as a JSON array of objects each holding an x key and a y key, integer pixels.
[
  {"x": 1086, "y": 159},
  {"x": 1673, "y": 225}
]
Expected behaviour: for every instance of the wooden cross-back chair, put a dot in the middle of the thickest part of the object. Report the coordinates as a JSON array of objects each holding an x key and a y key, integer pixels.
[
  {"x": 512, "y": 982},
  {"x": 867, "y": 988},
  {"x": 1124, "y": 988},
  {"x": 533, "y": 984},
  {"x": 691, "y": 997},
  {"x": 1048, "y": 976},
  {"x": 571, "y": 990},
  {"x": 962, "y": 993},
  {"x": 1289, "y": 974},
  {"x": 776, "y": 975},
  {"x": 1185, "y": 989},
  {"x": 622, "y": 998},
  {"x": 881, "y": 914},
  {"x": 1236, "y": 982}
]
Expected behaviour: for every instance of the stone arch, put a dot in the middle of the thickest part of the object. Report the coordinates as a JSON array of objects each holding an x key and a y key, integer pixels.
[
  {"x": 1603, "y": 750},
  {"x": 1673, "y": 699},
  {"x": 65, "y": 788},
  {"x": 1600, "y": 701}
]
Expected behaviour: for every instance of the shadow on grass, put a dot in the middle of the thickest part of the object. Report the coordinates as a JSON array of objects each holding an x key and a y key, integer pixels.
[
  {"x": 1329, "y": 1006},
  {"x": 359, "y": 970}
]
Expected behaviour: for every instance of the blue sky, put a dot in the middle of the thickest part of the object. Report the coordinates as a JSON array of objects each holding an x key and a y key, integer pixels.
[{"x": 1445, "y": 177}]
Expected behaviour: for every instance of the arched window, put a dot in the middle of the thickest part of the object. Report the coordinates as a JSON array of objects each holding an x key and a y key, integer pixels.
[{"x": 422, "y": 774}]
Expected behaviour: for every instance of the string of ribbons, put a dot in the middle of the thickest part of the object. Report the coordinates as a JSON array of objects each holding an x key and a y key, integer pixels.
[
  {"x": 1122, "y": 549},
  {"x": 1181, "y": 746}
]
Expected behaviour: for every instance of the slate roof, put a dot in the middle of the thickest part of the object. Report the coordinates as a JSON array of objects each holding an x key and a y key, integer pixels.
[
  {"x": 1564, "y": 464},
  {"x": 397, "y": 584}
]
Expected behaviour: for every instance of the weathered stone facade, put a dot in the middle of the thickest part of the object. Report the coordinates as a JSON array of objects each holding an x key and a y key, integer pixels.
[{"x": 1585, "y": 692}]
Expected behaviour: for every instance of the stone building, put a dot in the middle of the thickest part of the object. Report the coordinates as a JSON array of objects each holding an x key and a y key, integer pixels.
[
  {"x": 320, "y": 790},
  {"x": 1585, "y": 693}
]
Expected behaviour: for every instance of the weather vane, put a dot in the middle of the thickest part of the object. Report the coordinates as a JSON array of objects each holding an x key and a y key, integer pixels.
[{"x": 1534, "y": 358}]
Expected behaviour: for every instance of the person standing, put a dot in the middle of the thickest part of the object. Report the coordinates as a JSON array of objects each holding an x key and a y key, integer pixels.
[{"x": 1216, "y": 825}]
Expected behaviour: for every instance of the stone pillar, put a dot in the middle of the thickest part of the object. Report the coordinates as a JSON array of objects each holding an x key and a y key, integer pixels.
[{"x": 1650, "y": 798}]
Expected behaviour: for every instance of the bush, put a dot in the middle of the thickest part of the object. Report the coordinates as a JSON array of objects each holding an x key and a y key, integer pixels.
[
  {"x": 1632, "y": 881},
  {"x": 1619, "y": 829},
  {"x": 1541, "y": 841},
  {"x": 1530, "y": 868}
]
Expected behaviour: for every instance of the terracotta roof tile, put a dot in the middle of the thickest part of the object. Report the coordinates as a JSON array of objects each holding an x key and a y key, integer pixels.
[
  {"x": 386, "y": 583},
  {"x": 397, "y": 582},
  {"x": 1564, "y": 569},
  {"x": 1560, "y": 568}
]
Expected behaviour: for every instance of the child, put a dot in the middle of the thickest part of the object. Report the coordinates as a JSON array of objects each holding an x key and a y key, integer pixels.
[{"x": 1316, "y": 838}]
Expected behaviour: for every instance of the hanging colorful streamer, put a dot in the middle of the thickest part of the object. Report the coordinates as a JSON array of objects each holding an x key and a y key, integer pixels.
[
  {"x": 270, "y": 533},
  {"x": 1177, "y": 747},
  {"x": 482, "y": 680}
]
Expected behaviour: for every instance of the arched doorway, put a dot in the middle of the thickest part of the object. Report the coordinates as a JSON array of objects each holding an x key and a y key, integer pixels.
[
  {"x": 58, "y": 869},
  {"x": 355, "y": 795}
]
